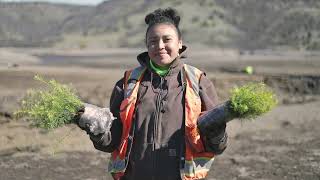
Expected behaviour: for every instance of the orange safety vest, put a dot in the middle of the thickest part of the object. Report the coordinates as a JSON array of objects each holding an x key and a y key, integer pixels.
[{"x": 197, "y": 162}]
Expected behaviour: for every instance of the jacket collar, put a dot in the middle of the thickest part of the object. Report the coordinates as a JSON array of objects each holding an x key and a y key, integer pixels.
[{"x": 175, "y": 67}]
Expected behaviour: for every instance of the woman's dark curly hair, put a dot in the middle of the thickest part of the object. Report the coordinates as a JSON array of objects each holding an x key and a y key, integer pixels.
[{"x": 163, "y": 16}]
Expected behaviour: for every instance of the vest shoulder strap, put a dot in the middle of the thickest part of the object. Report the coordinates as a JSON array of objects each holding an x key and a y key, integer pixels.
[
  {"x": 134, "y": 75},
  {"x": 193, "y": 74},
  {"x": 130, "y": 79}
]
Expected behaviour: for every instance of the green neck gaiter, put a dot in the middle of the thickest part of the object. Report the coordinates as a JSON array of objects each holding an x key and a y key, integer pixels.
[{"x": 161, "y": 70}]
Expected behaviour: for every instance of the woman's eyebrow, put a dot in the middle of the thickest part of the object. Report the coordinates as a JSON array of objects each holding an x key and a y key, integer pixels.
[
  {"x": 169, "y": 35},
  {"x": 156, "y": 37},
  {"x": 153, "y": 37}
]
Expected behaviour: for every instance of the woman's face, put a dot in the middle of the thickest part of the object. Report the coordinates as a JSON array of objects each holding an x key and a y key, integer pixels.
[{"x": 163, "y": 43}]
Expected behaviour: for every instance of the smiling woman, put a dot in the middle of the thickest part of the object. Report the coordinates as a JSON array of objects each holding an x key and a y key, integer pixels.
[{"x": 157, "y": 106}]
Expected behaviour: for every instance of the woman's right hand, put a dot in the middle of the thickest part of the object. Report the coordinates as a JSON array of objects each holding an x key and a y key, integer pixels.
[{"x": 95, "y": 120}]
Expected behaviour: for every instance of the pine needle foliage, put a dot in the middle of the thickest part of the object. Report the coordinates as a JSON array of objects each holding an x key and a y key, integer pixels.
[
  {"x": 53, "y": 107},
  {"x": 252, "y": 100}
]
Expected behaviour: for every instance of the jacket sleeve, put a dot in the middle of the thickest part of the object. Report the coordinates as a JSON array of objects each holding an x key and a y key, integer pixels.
[
  {"x": 116, "y": 127},
  {"x": 216, "y": 141}
]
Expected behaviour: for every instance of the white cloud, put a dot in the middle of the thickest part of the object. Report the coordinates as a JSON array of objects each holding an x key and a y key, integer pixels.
[{"x": 83, "y": 2}]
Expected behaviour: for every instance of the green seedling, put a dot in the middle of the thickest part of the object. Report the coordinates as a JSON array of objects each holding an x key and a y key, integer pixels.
[
  {"x": 53, "y": 107},
  {"x": 246, "y": 102},
  {"x": 252, "y": 100}
]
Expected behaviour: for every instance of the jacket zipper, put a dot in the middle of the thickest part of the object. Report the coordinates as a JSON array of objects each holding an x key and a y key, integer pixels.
[{"x": 156, "y": 121}]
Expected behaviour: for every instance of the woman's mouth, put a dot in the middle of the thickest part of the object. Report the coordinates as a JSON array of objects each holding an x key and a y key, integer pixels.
[{"x": 162, "y": 53}]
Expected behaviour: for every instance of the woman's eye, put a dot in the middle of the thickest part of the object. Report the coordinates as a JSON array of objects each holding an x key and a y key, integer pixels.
[{"x": 152, "y": 42}]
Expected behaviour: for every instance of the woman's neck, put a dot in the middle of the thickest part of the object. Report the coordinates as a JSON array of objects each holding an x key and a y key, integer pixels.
[{"x": 161, "y": 70}]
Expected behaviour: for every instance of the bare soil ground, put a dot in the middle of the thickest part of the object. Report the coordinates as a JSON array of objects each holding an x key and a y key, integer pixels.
[{"x": 283, "y": 144}]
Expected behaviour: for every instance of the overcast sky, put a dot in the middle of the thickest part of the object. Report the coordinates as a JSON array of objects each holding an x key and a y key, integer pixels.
[{"x": 83, "y": 2}]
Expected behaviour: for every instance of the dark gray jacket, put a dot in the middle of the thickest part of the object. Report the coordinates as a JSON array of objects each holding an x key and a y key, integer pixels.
[{"x": 159, "y": 123}]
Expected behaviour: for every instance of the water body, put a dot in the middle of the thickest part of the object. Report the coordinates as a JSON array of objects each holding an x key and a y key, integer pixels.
[
  {"x": 96, "y": 60},
  {"x": 51, "y": 58}
]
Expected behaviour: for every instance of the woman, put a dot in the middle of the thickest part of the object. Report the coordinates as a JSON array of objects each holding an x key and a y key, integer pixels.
[{"x": 156, "y": 105}]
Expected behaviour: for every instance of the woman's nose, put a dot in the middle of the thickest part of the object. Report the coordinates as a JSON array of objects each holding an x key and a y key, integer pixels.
[{"x": 160, "y": 44}]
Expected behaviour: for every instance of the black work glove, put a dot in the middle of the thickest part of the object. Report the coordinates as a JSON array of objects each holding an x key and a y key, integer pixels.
[{"x": 216, "y": 139}]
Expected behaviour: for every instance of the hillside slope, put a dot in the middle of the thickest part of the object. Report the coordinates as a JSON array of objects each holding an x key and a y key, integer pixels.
[{"x": 243, "y": 24}]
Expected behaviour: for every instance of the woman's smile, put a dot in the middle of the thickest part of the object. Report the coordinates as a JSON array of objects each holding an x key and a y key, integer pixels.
[{"x": 162, "y": 53}]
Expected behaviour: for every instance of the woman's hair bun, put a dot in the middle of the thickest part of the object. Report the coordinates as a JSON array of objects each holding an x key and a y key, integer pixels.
[{"x": 168, "y": 15}]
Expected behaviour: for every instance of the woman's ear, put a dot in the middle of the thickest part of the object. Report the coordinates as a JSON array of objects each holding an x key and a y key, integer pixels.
[{"x": 180, "y": 44}]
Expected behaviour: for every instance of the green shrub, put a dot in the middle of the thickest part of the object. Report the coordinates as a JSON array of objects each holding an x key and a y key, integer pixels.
[
  {"x": 252, "y": 100},
  {"x": 50, "y": 108}
]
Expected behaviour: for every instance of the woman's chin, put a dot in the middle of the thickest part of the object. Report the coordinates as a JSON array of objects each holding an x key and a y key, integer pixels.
[{"x": 163, "y": 61}]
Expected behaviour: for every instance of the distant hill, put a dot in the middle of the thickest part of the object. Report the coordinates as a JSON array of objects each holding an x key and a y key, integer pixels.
[
  {"x": 243, "y": 24},
  {"x": 34, "y": 24}
]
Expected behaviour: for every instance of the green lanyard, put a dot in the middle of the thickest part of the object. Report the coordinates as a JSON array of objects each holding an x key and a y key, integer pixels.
[{"x": 162, "y": 71}]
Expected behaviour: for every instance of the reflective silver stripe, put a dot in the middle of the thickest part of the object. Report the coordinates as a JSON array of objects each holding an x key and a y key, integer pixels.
[
  {"x": 116, "y": 165},
  {"x": 191, "y": 73},
  {"x": 136, "y": 72},
  {"x": 134, "y": 75},
  {"x": 197, "y": 164}
]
